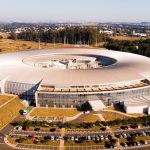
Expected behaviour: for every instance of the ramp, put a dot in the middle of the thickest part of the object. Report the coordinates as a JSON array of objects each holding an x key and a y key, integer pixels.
[{"x": 96, "y": 103}]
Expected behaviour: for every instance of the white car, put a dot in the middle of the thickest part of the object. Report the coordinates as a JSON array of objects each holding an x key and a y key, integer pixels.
[
  {"x": 72, "y": 138},
  {"x": 89, "y": 137},
  {"x": 76, "y": 138},
  {"x": 145, "y": 142},
  {"x": 19, "y": 128},
  {"x": 138, "y": 143},
  {"x": 52, "y": 138},
  {"x": 101, "y": 137}
]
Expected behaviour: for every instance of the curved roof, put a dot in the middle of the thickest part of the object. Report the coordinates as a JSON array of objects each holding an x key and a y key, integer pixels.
[{"x": 128, "y": 67}]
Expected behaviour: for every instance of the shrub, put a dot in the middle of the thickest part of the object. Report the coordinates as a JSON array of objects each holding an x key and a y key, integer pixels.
[
  {"x": 20, "y": 140},
  {"x": 35, "y": 142}
]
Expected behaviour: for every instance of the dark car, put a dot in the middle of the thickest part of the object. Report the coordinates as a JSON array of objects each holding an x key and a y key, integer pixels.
[
  {"x": 124, "y": 144},
  {"x": 53, "y": 130},
  {"x": 143, "y": 142},
  {"x": 37, "y": 129},
  {"x": 124, "y": 127}
]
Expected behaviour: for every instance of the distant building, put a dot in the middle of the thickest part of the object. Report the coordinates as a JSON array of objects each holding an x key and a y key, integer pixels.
[
  {"x": 139, "y": 34},
  {"x": 19, "y": 30},
  {"x": 108, "y": 32}
]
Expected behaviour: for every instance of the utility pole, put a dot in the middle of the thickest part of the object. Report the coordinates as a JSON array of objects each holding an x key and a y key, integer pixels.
[
  {"x": 96, "y": 41},
  {"x": 39, "y": 43},
  {"x": 75, "y": 41},
  {"x": 54, "y": 42},
  {"x": 65, "y": 40},
  {"x": 96, "y": 36}
]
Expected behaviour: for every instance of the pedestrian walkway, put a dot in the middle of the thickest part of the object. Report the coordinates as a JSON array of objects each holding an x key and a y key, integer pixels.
[
  {"x": 101, "y": 117},
  {"x": 61, "y": 139}
]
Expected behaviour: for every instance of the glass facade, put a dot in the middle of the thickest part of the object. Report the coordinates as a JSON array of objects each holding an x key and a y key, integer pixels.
[
  {"x": 60, "y": 100},
  {"x": 67, "y": 100},
  {"x": 25, "y": 90}
]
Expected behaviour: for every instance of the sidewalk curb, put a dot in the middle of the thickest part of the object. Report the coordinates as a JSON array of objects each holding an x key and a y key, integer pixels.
[{"x": 7, "y": 143}]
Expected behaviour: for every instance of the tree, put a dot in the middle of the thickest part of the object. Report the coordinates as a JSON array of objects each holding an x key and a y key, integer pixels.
[
  {"x": 72, "y": 35},
  {"x": 13, "y": 35}
]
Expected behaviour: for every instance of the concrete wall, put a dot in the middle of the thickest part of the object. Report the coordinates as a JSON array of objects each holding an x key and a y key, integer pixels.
[{"x": 136, "y": 109}]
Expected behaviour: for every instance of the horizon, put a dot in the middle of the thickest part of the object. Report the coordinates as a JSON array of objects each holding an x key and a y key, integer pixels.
[
  {"x": 73, "y": 22},
  {"x": 85, "y": 11}
]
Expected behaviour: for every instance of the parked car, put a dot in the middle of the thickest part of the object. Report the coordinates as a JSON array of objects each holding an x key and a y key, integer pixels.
[
  {"x": 138, "y": 143},
  {"x": 52, "y": 138},
  {"x": 101, "y": 137},
  {"x": 125, "y": 127},
  {"x": 146, "y": 124},
  {"x": 76, "y": 139},
  {"x": 27, "y": 128},
  {"x": 124, "y": 135},
  {"x": 89, "y": 137},
  {"x": 124, "y": 144},
  {"x": 143, "y": 142},
  {"x": 53, "y": 130},
  {"x": 37, "y": 129},
  {"x": 19, "y": 128},
  {"x": 72, "y": 138}
]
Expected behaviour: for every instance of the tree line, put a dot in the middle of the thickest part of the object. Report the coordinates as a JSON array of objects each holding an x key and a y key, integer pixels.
[
  {"x": 84, "y": 35},
  {"x": 141, "y": 47},
  {"x": 70, "y": 35},
  {"x": 129, "y": 121}
]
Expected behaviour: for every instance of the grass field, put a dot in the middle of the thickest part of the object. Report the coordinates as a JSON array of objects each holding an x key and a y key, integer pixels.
[
  {"x": 128, "y": 38},
  {"x": 9, "y": 111},
  {"x": 87, "y": 118},
  {"x": 112, "y": 116},
  {"x": 54, "y": 112},
  {"x": 7, "y": 45},
  {"x": 90, "y": 118},
  {"x": 85, "y": 143},
  {"x": 4, "y": 98}
]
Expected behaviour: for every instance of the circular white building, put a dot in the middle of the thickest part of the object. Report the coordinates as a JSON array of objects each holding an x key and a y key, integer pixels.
[{"x": 70, "y": 77}]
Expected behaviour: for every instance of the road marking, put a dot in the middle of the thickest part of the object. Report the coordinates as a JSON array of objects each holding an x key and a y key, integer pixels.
[{"x": 2, "y": 144}]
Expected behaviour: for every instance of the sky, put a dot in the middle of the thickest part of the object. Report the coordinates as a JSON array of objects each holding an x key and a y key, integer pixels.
[{"x": 75, "y": 11}]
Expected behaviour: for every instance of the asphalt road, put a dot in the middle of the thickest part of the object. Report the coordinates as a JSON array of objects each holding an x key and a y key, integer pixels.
[
  {"x": 3, "y": 146},
  {"x": 5, "y": 131}
]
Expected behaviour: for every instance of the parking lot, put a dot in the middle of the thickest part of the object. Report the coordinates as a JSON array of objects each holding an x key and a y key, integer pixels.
[
  {"x": 77, "y": 136},
  {"x": 40, "y": 147},
  {"x": 86, "y": 132},
  {"x": 131, "y": 129}
]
